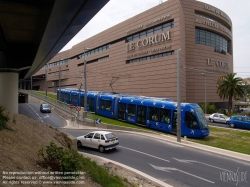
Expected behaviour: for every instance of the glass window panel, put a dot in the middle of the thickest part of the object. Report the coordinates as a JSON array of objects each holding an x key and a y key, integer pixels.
[
  {"x": 166, "y": 24},
  {"x": 129, "y": 39},
  {"x": 143, "y": 34},
  {"x": 157, "y": 29},
  {"x": 150, "y": 31},
  {"x": 131, "y": 110},
  {"x": 136, "y": 36}
]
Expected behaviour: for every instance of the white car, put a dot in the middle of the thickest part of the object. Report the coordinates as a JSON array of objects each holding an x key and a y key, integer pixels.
[
  {"x": 220, "y": 118},
  {"x": 102, "y": 140}
]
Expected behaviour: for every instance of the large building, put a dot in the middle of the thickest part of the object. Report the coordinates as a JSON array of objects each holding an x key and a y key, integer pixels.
[{"x": 139, "y": 55}]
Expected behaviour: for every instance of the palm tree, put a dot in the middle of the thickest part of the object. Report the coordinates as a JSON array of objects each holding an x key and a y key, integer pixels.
[{"x": 229, "y": 87}]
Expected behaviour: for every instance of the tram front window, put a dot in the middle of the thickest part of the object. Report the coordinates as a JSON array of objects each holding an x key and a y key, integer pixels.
[
  {"x": 202, "y": 118},
  {"x": 191, "y": 120}
]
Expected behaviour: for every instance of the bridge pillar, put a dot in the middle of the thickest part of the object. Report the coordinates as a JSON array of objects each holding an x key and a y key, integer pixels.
[{"x": 9, "y": 91}]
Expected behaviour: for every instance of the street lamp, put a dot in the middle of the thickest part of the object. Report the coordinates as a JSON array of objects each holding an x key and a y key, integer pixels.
[
  {"x": 59, "y": 96},
  {"x": 179, "y": 96},
  {"x": 46, "y": 80},
  {"x": 205, "y": 92},
  {"x": 85, "y": 79}
]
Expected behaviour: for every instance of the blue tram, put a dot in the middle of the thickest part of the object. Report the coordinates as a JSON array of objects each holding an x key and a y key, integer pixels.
[{"x": 155, "y": 113}]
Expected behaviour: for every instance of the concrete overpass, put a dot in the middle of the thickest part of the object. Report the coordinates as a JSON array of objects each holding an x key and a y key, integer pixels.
[{"x": 31, "y": 33}]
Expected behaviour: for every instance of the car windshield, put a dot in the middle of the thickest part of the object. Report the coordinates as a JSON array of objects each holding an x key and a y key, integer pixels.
[
  {"x": 201, "y": 117},
  {"x": 110, "y": 136},
  {"x": 45, "y": 105}
]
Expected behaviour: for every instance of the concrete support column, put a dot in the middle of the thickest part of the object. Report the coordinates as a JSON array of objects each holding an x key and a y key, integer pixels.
[{"x": 9, "y": 91}]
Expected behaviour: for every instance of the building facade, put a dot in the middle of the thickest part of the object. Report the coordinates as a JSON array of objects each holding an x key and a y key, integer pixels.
[{"x": 139, "y": 55}]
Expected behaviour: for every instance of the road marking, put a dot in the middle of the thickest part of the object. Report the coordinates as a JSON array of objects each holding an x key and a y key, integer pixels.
[
  {"x": 144, "y": 153},
  {"x": 194, "y": 161},
  {"x": 46, "y": 116},
  {"x": 168, "y": 169},
  {"x": 35, "y": 113}
]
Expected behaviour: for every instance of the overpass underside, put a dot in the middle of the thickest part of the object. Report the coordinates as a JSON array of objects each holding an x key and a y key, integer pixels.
[{"x": 32, "y": 33}]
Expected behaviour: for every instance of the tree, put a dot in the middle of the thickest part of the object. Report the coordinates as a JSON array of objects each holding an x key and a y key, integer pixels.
[{"x": 229, "y": 87}]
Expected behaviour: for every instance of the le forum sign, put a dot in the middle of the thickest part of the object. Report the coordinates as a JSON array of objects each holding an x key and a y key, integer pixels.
[{"x": 148, "y": 41}]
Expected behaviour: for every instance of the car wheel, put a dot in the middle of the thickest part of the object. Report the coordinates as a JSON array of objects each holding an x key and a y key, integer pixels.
[
  {"x": 101, "y": 149},
  {"x": 232, "y": 125},
  {"x": 79, "y": 144},
  {"x": 211, "y": 120}
]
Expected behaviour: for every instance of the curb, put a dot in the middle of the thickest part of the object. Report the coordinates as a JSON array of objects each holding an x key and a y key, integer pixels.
[{"x": 98, "y": 158}]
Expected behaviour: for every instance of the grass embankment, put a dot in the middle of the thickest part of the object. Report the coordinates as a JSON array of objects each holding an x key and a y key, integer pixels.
[
  {"x": 53, "y": 96},
  {"x": 228, "y": 139}
]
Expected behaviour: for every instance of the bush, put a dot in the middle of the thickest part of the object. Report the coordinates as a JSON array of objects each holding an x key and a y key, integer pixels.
[
  {"x": 66, "y": 160},
  {"x": 3, "y": 120},
  {"x": 210, "y": 108},
  {"x": 60, "y": 159}
]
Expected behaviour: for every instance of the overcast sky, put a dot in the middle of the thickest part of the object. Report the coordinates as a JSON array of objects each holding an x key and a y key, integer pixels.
[{"x": 117, "y": 11}]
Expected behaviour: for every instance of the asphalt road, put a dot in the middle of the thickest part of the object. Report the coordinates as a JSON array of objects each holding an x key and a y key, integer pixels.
[
  {"x": 174, "y": 164},
  {"x": 32, "y": 110}
]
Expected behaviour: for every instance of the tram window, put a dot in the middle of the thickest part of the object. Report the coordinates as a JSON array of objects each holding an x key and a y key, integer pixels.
[
  {"x": 165, "y": 115},
  {"x": 131, "y": 110},
  {"x": 153, "y": 113},
  {"x": 191, "y": 120},
  {"x": 73, "y": 98},
  {"x": 82, "y": 101},
  {"x": 105, "y": 105}
]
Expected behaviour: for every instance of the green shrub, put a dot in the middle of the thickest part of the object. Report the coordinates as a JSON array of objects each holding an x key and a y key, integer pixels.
[
  {"x": 3, "y": 120},
  {"x": 60, "y": 159},
  {"x": 66, "y": 160},
  {"x": 210, "y": 108}
]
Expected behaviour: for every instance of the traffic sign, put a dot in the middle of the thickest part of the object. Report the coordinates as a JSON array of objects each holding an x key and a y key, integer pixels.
[
  {"x": 78, "y": 108},
  {"x": 71, "y": 106},
  {"x": 98, "y": 121}
]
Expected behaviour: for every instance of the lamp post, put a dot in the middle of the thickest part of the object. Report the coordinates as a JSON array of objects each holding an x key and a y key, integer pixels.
[
  {"x": 85, "y": 80},
  {"x": 46, "y": 80},
  {"x": 179, "y": 96},
  {"x": 59, "y": 96},
  {"x": 205, "y": 78}
]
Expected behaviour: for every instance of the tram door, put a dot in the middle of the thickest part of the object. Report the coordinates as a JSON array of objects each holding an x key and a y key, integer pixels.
[
  {"x": 122, "y": 111},
  {"x": 174, "y": 121},
  {"x": 141, "y": 115}
]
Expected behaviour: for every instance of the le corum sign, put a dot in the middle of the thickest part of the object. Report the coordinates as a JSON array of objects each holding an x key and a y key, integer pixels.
[{"x": 148, "y": 41}]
